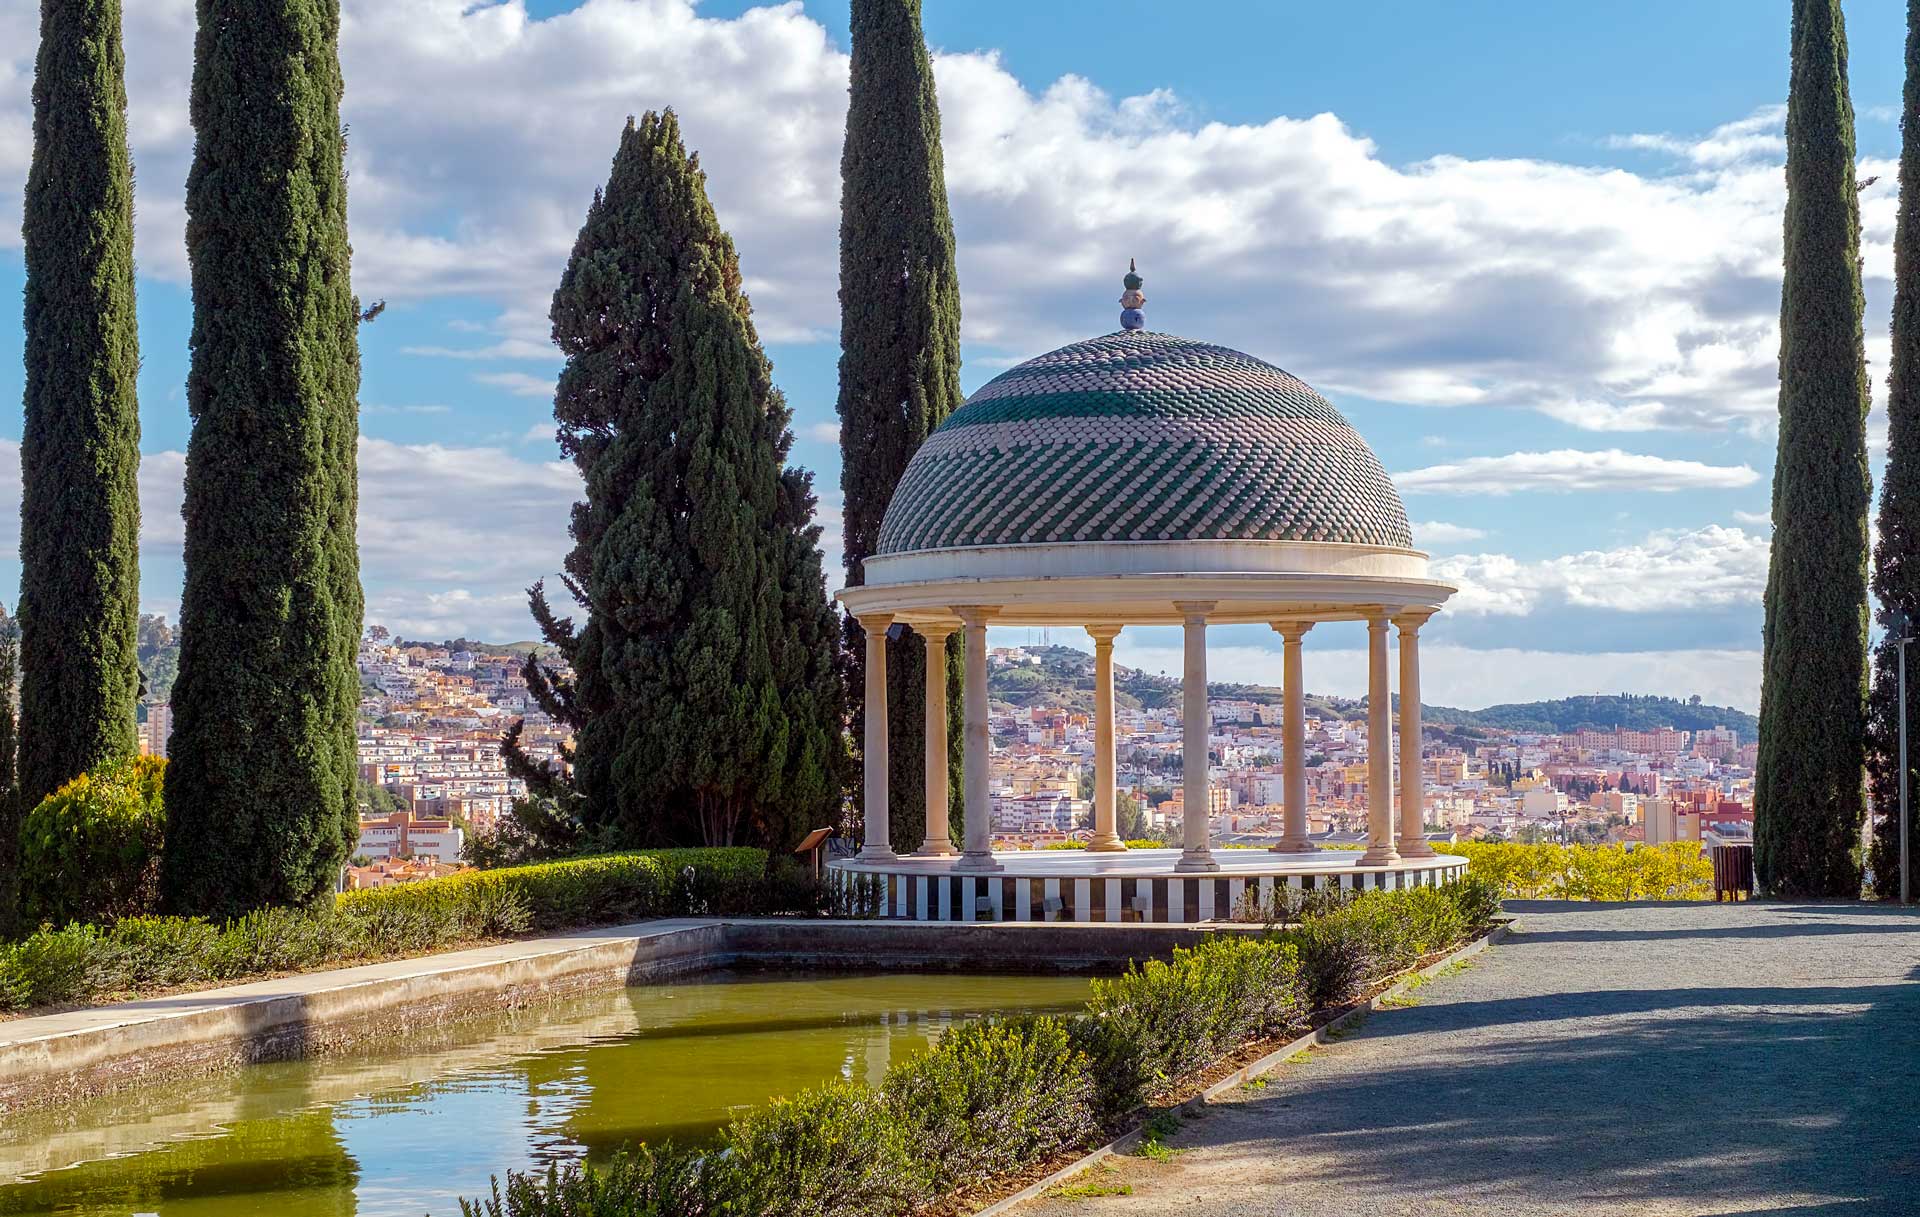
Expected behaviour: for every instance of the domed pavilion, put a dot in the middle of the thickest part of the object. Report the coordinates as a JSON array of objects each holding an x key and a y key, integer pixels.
[{"x": 1142, "y": 479}]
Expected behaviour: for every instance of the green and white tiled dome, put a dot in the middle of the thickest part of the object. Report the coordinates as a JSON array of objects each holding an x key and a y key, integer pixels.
[{"x": 1137, "y": 436}]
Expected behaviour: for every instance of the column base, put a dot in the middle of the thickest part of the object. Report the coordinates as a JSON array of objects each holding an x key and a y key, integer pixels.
[
  {"x": 939, "y": 847},
  {"x": 1196, "y": 863},
  {"x": 1416, "y": 847},
  {"x": 1113, "y": 845},
  {"x": 1379, "y": 855},
  {"x": 974, "y": 864},
  {"x": 876, "y": 853},
  {"x": 1295, "y": 845}
]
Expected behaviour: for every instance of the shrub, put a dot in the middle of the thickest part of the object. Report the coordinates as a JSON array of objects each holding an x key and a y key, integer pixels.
[
  {"x": 839, "y": 1150},
  {"x": 1679, "y": 870},
  {"x": 642, "y": 1182},
  {"x": 91, "y": 850},
  {"x": 992, "y": 1097},
  {"x": 84, "y": 962},
  {"x": 1152, "y": 1027}
]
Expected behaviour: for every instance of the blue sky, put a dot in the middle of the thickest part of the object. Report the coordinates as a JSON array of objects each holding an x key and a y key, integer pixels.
[{"x": 1531, "y": 250}]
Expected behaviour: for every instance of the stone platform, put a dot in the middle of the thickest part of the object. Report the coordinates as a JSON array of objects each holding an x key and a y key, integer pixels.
[{"x": 1134, "y": 885}]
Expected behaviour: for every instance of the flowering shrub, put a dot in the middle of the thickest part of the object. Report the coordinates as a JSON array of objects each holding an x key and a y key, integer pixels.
[
  {"x": 1677, "y": 871},
  {"x": 91, "y": 849}
]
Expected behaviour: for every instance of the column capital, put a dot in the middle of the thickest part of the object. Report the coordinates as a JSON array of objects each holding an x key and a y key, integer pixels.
[
  {"x": 1292, "y": 631},
  {"x": 1410, "y": 620},
  {"x": 1195, "y": 611},
  {"x": 1103, "y": 635},
  {"x": 876, "y": 624},
  {"x": 1377, "y": 616},
  {"x": 937, "y": 631},
  {"x": 976, "y": 614}
]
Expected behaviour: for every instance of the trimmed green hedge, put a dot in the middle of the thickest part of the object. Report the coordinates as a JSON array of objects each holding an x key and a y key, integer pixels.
[
  {"x": 84, "y": 962},
  {"x": 999, "y": 1096}
]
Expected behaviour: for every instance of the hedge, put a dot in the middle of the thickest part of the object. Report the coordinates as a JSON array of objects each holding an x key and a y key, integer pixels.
[
  {"x": 83, "y": 962},
  {"x": 995, "y": 1097},
  {"x": 1677, "y": 871}
]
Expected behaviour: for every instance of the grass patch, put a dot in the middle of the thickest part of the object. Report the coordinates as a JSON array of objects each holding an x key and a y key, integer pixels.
[
  {"x": 1088, "y": 1187},
  {"x": 1259, "y": 1083}
]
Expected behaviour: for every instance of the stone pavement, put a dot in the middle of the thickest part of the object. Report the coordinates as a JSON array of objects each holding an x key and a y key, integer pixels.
[{"x": 1672, "y": 1059}]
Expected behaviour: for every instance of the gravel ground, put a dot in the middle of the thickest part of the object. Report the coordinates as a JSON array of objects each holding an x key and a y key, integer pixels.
[{"x": 1621, "y": 1059}]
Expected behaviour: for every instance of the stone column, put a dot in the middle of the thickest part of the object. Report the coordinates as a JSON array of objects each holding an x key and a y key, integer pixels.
[
  {"x": 877, "y": 848},
  {"x": 1413, "y": 832},
  {"x": 939, "y": 842},
  {"x": 1106, "y": 806},
  {"x": 1293, "y": 839},
  {"x": 1379, "y": 746},
  {"x": 1196, "y": 854},
  {"x": 978, "y": 751}
]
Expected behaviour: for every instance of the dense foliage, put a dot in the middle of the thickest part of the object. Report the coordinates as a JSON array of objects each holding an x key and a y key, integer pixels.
[
  {"x": 91, "y": 850},
  {"x": 1896, "y": 555},
  {"x": 706, "y": 698},
  {"x": 1807, "y": 784},
  {"x": 997, "y": 1097},
  {"x": 899, "y": 352},
  {"x": 80, "y": 445},
  {"x": 1677, "y": 871},
  {"x": 9, "y": 780},
  {"x": 260, "y": 806},
  {"x": 158, "y": 652},
  {"x": 88, "y": 962}
]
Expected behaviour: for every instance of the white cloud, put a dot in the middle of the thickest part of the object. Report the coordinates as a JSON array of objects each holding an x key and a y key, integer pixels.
[
  {"x": 1763, "y": 519},
  {"x": 1439, "y": 532},
  {"x": 518, "y": 383},
  {"x": 1685, "y": 570},
  {"x": 1610, "y": 299},
  {"x": 1568, "y": 469},
  {"x": 825, "y": 433},
  {"x": 1468, "y": 678}
]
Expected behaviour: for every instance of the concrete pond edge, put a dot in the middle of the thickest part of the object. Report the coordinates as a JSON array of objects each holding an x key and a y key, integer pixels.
[{"x": 1239, "y": 1077}]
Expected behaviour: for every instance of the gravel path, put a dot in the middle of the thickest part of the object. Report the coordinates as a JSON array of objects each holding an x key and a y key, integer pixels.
[{"x": 1618, "y": 1059}]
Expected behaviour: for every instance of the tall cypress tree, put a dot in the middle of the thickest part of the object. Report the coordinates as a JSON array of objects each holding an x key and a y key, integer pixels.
[
  {"x": 80, "y": 449},
  {"x": 899, "y": 350},
  {"x": 10, "y": 810},
  {"x": 706, "y": 691},
  {"x": 1807, "y": 787},
  {"x": 1896, "y": 557},
  {"x": 260, "y": 787}
]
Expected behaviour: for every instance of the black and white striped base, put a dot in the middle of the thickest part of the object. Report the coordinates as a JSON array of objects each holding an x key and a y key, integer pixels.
[{"x": 1139, "y": 885}]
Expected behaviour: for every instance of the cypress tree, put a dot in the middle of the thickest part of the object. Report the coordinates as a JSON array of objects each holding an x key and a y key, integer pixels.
[
  {"x": 1807, "y": 786},
  {"x": 899, "y": 354},
  {"x": 260, "y": 787},
  {"x": 1896, "y": 557},
  {"x": 10, "y": 810},
  {"x": 706, "y": 693},
  {"x": 80, "y": 448}
]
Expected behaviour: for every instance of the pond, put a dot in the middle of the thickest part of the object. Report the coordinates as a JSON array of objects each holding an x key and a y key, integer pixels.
[{"x": 408, "y": 1131}]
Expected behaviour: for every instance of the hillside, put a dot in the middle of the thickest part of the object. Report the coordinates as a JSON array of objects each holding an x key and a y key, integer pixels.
[
  {"x": 1064, "y": 677},
  {"x": 1603, "y": 711}
]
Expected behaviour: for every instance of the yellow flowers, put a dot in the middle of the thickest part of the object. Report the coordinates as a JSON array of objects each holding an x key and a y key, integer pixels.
[{"x": 1679, "y": 871}]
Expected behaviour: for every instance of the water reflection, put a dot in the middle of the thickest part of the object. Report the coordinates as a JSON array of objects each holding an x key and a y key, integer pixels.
[{"x": 411, "y": 1131}]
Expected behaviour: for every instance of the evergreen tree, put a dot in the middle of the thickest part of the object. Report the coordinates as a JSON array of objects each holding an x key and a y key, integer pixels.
[
  {"x": 10, "y": 804},
  {"x": 705, "y": 696},
  {"x": 80, "y": 448},
  {"x": 1807, "y": 787},
  {"x": 1896, "y": 557},
  {"x": 260, "y": 788},
  {"x": 899, "y": 355}
]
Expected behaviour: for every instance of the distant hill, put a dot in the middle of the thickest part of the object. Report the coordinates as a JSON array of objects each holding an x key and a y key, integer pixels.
[
  {"x": 1601, "y": 711},
  {"x": 472, "y": 644},
  {"x": 1064, "y": 677}
]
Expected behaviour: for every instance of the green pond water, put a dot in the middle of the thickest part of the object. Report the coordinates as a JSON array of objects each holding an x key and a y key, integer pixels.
[{"x": 409, "y": 1130}]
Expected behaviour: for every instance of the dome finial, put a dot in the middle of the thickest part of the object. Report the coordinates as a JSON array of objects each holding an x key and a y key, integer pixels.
[{"x": 1131, "y": 318}]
